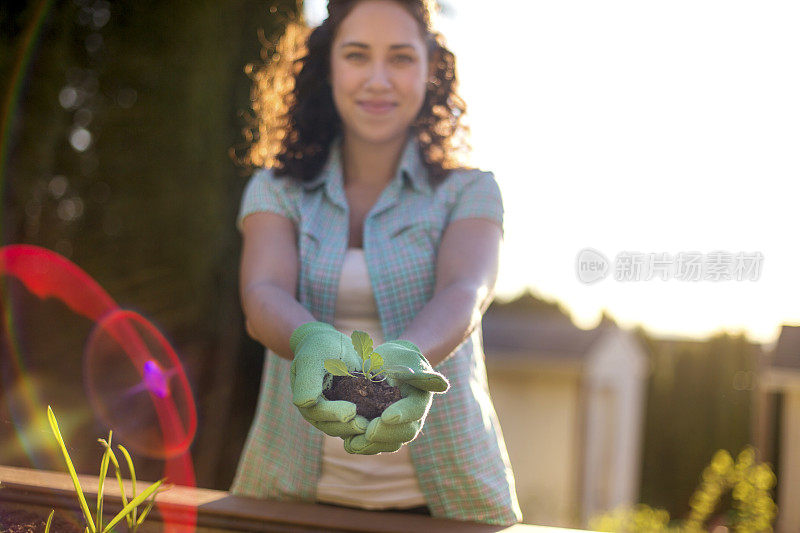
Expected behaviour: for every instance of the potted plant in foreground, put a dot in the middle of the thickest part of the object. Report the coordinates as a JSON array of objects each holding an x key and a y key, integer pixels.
[{"x": 24, "y": 521}]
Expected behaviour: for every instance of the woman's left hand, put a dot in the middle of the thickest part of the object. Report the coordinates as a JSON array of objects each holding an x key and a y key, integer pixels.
[
  {"x": 402, "y": 421},
  {"x": 312, "y": 343}
]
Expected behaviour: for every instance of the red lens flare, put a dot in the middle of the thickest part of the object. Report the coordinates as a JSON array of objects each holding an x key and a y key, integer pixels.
[
  {"x": 136, "y": 382},
  {"x": 137, "y": 386},
  {"x": 49, "y": 275}
]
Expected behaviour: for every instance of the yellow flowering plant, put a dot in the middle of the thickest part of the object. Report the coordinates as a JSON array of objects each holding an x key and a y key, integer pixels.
[{"x": 749, "y": 482}]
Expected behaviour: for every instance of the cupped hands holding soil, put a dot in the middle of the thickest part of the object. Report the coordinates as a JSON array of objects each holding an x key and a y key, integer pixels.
[
  {"x": 371, "y": 397},
  {"x": 368, "y": 388}
]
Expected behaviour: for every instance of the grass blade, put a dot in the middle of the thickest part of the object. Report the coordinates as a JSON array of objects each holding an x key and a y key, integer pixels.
[
  {"x": 100, "y": 482},
  {"x": 133, "y": 504},
  {"x": 130, "y": 466},
  {"x": 118, "y": 473},
  {"x": 84, "y": 507},
  {"x": 150, "y": 505},
  {"x": 133, "y": 479},
  {"x": 49, "y": 521}
]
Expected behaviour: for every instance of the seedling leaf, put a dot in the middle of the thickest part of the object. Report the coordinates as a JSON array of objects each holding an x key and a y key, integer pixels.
[
  {"x": 376, "y": 361},
  {"x": 336, "y": 367},
  {"x": 362, "y": 343}
]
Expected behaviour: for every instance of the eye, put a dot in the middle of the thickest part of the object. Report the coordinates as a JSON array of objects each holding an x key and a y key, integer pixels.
[
  {"x": 403, "y": 58},
  {"x": 355, "y": 56}
]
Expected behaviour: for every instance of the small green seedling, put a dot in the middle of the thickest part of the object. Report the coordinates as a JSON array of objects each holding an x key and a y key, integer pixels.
[
  {"x": 130, "y": 508},
  {"x": 372, "y": 364}
]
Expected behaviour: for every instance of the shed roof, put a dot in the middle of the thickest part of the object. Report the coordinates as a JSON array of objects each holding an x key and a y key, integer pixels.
[
  {"x": 787, "y": 350},
  {"x": 533, "y": 326}
]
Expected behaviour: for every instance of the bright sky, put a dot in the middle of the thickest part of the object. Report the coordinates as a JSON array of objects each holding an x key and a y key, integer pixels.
[{"x": 651, "y": 127}]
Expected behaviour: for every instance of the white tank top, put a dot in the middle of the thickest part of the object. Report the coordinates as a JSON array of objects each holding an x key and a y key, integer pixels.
[{"x": 385, "y": 480}]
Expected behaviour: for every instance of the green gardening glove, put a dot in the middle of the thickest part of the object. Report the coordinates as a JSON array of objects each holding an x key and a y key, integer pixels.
[
  {"x": 402, "y": 421},
  {"x": 311, "y": 344}
]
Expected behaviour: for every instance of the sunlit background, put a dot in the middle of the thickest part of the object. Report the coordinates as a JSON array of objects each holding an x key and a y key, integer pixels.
[
  {"x": 629, "y": 126},
  {"x": 620, "y": 127}
]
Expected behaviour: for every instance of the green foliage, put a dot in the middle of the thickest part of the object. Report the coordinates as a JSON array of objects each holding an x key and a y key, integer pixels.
[
  {"x": 362, "y": 343},
  {"x": 336, "y": 367},
  {"x": 130, "y": 508},
  {"x": 640, "y": 518},
  {"x": 749, "y": 483},
  {"x": 699, "y": 400},
  {"x": 373, "y": 366},
  {"x": 371, "y": 362}
]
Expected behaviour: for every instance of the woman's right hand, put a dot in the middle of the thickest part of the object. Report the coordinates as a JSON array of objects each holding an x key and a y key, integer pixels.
[{"x": 312, "y": 343}]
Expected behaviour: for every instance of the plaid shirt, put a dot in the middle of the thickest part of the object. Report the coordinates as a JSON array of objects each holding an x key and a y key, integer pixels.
[{"x": 459, "y": 456}]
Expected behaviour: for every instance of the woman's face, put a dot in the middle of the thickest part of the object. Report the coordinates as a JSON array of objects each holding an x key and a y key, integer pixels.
[{"x": 379, "y": 70}]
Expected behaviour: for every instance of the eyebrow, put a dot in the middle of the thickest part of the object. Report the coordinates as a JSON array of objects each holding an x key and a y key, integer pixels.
[{"x": 364, "y": 45}]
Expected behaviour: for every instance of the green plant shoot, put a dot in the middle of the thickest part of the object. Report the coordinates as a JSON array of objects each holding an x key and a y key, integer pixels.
[
  {"x": 372, "y": 364},
  {"x": 49, "y": 521},
  {"x": 87, "y": 515},
  {"x": 129, "y": 509}
]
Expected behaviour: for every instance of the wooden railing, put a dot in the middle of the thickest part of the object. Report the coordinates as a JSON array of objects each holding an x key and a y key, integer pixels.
[{"x": 219, "y": 511}]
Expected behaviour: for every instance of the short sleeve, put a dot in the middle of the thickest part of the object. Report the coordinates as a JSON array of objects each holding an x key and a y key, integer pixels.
[
  {"x": 479, "y": 197},
  {"x": 265, "y": 192}
]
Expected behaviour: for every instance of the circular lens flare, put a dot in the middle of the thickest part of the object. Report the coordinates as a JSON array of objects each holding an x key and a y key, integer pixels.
[
  {"x": 155, "y": 379},
  {"x": 137, "y": 386},
  {"x": 145, "y": 366}
]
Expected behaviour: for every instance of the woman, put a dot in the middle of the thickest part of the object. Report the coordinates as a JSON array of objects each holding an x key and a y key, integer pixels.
[{"x": 364, "y": 224}]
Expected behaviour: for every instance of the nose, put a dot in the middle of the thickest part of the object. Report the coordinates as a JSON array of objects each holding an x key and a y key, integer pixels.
[{"x": 379, "y": 77}]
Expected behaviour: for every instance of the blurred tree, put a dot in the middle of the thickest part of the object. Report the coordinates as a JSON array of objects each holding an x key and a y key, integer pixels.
[
  {"x": 699, "y": 401},
  {"x": 119, "y": 160}
]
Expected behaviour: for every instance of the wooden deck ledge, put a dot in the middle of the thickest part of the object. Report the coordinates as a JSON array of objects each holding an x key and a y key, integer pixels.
[{"x": 219, "y": 511}]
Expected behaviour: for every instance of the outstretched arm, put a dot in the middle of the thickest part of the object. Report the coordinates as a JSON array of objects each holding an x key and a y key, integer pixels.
[
  {"x": 466, "y": 273},
  {"x": 268, "y": 281}
]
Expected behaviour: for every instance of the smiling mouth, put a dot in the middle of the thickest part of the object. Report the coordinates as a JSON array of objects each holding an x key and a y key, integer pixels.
[{"x": 377, "y": 108}]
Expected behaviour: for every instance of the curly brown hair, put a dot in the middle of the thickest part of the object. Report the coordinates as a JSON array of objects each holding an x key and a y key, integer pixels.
[{"x": 296, "y": 120}]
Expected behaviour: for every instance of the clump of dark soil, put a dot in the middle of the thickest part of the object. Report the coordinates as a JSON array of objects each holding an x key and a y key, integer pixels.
[
  {"x": 370, "y": 397},
  {"x": 15, "y": 520}
]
